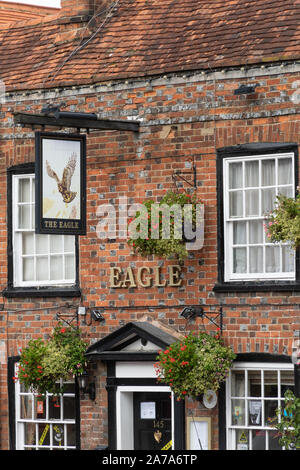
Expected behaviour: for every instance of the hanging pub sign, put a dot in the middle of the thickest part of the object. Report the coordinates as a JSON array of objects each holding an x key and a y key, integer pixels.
[{"x": 60, "y": 183}]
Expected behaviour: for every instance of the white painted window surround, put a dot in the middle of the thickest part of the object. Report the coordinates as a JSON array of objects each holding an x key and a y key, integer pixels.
[
  {"x": 38, "y": 260},
  {"x": 53, "y": 429},
  {"x": 253, "y": 393},
  {"x": 250, "y": 187}
]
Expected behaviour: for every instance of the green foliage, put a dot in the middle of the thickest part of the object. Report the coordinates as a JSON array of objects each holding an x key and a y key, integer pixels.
[
  {"x": 44, "y": 363},
  {"x": 164, "y": 247},
  {"x": 288, "y": 422},
  {"x": 195, "y": 364},
  {"x": 284, "y": 222}
]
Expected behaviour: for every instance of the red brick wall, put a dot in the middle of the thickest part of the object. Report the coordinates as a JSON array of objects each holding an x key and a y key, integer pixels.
[{"x": 181, "y": 121}]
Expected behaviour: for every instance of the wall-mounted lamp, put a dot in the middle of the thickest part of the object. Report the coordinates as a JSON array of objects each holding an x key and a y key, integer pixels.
[
  {"x": 97, "y": 315},
  {"x": 245, "y": 90},
  {"x": 296, "y": 362},
  {"x": 215, "y": 317},
  {"x": 191, "y": 312},
  {"x": 84, "y": 388}
]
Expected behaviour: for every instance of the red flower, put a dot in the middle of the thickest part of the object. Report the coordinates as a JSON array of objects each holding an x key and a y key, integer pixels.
[{"x": 63, "y": 330}]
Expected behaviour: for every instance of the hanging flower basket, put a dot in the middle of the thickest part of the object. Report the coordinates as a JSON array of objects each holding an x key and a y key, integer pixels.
[
  {"x": 43, "y": 363},
  {"x": 284, "y": 221},
  {"x": 160, "y": 235},
  {"x": 195, "y": 364}
]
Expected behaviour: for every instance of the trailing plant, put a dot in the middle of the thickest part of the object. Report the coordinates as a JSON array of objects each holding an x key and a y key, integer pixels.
[
  {"x": 155, "y": 235},
  {"x": 288, "y": 422},
  {"x": 195, "y": 364},
  {"x": 284, "y": 221},
  {"x": 43, "y": 363}
]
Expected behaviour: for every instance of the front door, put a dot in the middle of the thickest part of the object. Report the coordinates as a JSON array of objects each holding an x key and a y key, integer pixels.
[{"x": 152, "y": 421}]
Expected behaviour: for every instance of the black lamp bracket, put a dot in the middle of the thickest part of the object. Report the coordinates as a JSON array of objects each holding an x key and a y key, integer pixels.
[
  {"x": 69, "y": 319},
  {"x": 179, "y": 174},
  {"x": 192, "y": 311}
]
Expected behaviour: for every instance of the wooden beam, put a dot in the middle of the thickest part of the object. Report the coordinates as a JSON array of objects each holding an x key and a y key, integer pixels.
[{"x": 28, "y": 120}]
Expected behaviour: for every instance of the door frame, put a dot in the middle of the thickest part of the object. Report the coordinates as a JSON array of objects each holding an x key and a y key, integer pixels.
[{"x": 121, "y": 410}]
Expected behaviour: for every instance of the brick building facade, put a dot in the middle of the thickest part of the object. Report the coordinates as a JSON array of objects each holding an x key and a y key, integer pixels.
[{"x": 174, "y": 69}]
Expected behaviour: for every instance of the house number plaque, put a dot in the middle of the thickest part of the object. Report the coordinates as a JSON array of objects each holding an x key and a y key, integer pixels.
[{"x": 144, "y": 277}]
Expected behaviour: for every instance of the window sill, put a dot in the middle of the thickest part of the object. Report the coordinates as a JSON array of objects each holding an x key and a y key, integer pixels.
[
  {"x": 22, "y": 292},
  {"x": 263, "y": 286}
]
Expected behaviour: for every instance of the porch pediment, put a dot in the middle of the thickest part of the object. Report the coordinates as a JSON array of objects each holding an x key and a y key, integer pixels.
[{"x": 134, "y": 341}]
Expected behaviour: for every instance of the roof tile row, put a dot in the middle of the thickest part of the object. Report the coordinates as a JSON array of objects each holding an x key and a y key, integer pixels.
[{"x": 147, "y": 37}]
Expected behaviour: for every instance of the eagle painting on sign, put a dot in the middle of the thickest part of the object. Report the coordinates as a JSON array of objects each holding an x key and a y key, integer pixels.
[{"x": 60, "y": 183}]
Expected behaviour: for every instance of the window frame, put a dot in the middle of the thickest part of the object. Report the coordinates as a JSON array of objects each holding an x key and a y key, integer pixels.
[
  {"x": 13, "y": 403},
  {"x": 250, "y": 284},
  {"x": 246, "y": 367},
  {"x": 34, "y": 290}
]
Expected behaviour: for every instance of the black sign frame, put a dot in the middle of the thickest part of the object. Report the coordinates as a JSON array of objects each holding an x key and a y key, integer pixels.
[{"x": 64, "y": 193}]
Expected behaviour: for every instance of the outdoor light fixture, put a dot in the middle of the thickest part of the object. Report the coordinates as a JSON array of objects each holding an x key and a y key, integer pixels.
[
  {"x": 215, "y": 317},
  {"x": 245, "y": 90},
  {"x": 97, "y": 315},
  {"x": 84, "y": 388},
  {"x": 191, "y": 312},
  {"x": 296, "y": 362}
]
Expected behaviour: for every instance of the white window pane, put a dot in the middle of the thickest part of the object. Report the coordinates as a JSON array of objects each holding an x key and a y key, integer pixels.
[
  {"x": 238, "y": 383},
  {"x": 268, "y": 173},
  {"x": 239, "y": 233},
  {"x": 270, "y": 383},
  {"x": 235, "y": 175},
  {"x": 32, "y": 208},
  {"x": 268, "y": 198},
  {"x": 27, "y": 243},
  {"x": 71, "y": 434},
  {"x": 28, "y": 269},
  {"x": 285, "y": 171},
  {"x": 288, "y": 259},
  {"x": 56, "y": 268},
  {"x": 256, "y": 259},
  {"x": 255, "y": 231},
  {"x": 24, "y": 190},
  {"x": 252, "y": 174},
  {"x": 42, "y": 268},
  {"x": 41, "y": 243},
  {"x": 287, "y": 191},
  {"x": 239, "y": 260},
  {"x": 272, "y": 259},
  {"x": 252, "y": 202},
  {"x": 69, "y": 266},
  {"x": 238, "y": 412},
  {"x": 24, "y": 216},
  {"x": 242, "y": 439},
  {"x": 69, "y": 242},
  {"x": 236, "y": 204},
  {"x": 254, "y": 383},
  {"x": 26, "y": 407},
  {"x": 56, "y": 244},
  {"x": 29, "y": 434},
  {"x": 258, "y": 440}
]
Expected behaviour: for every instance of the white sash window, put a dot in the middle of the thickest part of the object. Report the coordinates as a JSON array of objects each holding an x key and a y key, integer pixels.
[
  {"x": 45, "y": 424},
  {"x": 38, "y": 260},
  {"x": 250, "y": 189},
  {"x": 253, "y": 393}
]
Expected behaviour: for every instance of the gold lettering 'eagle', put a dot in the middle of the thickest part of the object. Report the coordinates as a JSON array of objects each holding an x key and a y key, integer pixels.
[{"x": 65, "y": 183}]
